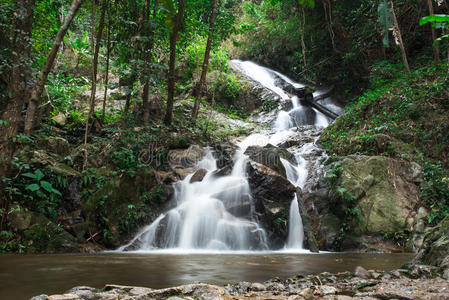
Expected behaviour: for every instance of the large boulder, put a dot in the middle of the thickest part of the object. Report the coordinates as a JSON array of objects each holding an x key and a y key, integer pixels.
[
  {"x": 272, "y": 195},
  {"x": 270, "y": 156},
  {"x": 363, "y": 198},
  {"x": 41, "y": 234}
]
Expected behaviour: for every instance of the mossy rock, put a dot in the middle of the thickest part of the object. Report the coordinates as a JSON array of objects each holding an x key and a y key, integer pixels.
[
  {"x": 380, "y": 189},
  {"x": 41, "y": 235},
  {"x": 122, "y": 205},
  {"x": 435, "y": 249}
]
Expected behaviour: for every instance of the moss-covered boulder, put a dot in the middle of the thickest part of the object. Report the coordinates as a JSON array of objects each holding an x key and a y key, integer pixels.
[
  {"x": 40, "y": 234},
  {"x": 122, "y": 205},
  {"x": 383, "y": 191},
  {"x": 364, "y": 199}
]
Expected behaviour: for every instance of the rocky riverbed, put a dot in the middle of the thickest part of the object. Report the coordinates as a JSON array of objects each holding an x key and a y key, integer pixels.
[{"x": 417, "y": 282}]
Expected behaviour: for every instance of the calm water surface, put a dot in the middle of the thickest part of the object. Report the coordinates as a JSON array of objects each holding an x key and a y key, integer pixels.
[{"x": 23, "y": 276}]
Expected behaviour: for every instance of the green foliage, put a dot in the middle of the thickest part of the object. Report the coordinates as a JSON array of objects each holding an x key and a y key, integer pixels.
[
  {"x": 441, "y": 21},
  {"x": 435, "y": 191}
]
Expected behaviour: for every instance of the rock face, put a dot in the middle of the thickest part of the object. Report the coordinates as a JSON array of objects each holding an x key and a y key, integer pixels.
[
  {"x": 183, "y": 161},
  {"x": 367, "y": 196},
  {"x": 272, "y": 194},
  {"x": 435, "y": 248},
  {"x": 270, "y": 156}
]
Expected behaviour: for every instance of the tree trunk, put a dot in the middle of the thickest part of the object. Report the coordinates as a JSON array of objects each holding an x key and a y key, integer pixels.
[
  {"x": 37, "y": 91},
  {"x": 302, "y": 21},
  {"x": 171, "y": 67},
  {"x": 399, "y": 37},
  {"x": 146, "y": 87},
  {"x": 436, "y": 50},
  {"x": 137, "y": 48},
  {"x": 96, "y": 47},
  {"x": 106, "y": 80},
  {"x": 206, "y": 60},
  {"x": 16, "y": 92}
]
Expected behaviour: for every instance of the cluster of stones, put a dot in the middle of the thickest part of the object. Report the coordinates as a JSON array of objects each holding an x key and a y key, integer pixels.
[{"x": 418, "y": 282}]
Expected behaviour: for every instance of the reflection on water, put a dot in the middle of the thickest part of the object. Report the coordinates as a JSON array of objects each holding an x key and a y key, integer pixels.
[{"x": 23, "y": 276}]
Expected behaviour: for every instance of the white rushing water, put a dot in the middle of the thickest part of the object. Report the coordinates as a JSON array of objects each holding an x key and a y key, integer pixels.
[{"x": 217, "y": 213}]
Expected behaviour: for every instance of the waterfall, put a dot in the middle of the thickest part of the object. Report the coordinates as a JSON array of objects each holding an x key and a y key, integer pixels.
[{"x": 217, "y": 212}]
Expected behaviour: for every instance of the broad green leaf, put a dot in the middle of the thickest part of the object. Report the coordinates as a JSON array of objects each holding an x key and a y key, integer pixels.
[
  {"x": 434, "y": 18},
  {"x": 446, "y": 36},
  {"x": 29, "y": 175},
  {"x": 32, "y": 187},
  {"x": 47, "y": 186},
  {"x": 39, "y": 174}
]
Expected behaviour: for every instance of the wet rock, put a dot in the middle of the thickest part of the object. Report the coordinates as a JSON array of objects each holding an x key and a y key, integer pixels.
[
  {"x": 198, "y": 176},
  {"x": 272, "y": 195},
  {"x": 224, "y": 154},
  {"x": 270, "y": 156}
]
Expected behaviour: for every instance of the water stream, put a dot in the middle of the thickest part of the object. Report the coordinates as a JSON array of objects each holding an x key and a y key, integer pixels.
[{"x": 217, "y": 213}]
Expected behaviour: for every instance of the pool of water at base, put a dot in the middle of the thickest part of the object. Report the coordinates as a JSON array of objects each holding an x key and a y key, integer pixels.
[{"x": 24, "y": 276}]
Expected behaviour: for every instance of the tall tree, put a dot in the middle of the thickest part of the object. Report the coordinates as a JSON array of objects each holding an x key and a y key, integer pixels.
[
  {"x": 205, "y": 66},
  {"x": 171, "y": 66},
  {"x": 398, "y": 36},
  {"x": 16, "y": 89},
  {"x": 38, "y": 89},
  {"x": 108, "y": 56},
  {"x": 95, "y": 44}
]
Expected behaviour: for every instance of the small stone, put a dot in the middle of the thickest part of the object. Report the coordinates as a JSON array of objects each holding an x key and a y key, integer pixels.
[
  {"x": 64, "y": 297},
  {"x": 375, "y": 275},
  {"x": 139, "y": 291},
  {"x": 40, "y": 297},
  {"x": 307, "y": 294},
  {"x": 175, "y": 298},
  {"x": 446, "y": 274},
  {"x": 396, "y": 274},
  {"x": 342, "y": 297},
  {"x": 256, "y": 286},
  {"x": 328, "y": 290},
  {"x": 361, "y": 273}
]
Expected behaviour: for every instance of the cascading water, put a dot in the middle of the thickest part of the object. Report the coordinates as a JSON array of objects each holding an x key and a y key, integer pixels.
[{"x": 217, "y": 213}]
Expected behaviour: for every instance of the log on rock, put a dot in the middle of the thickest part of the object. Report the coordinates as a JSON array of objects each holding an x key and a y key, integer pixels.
[
  {"x": 306, "y": 96},
  {"x": 307, "y": 223}
]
